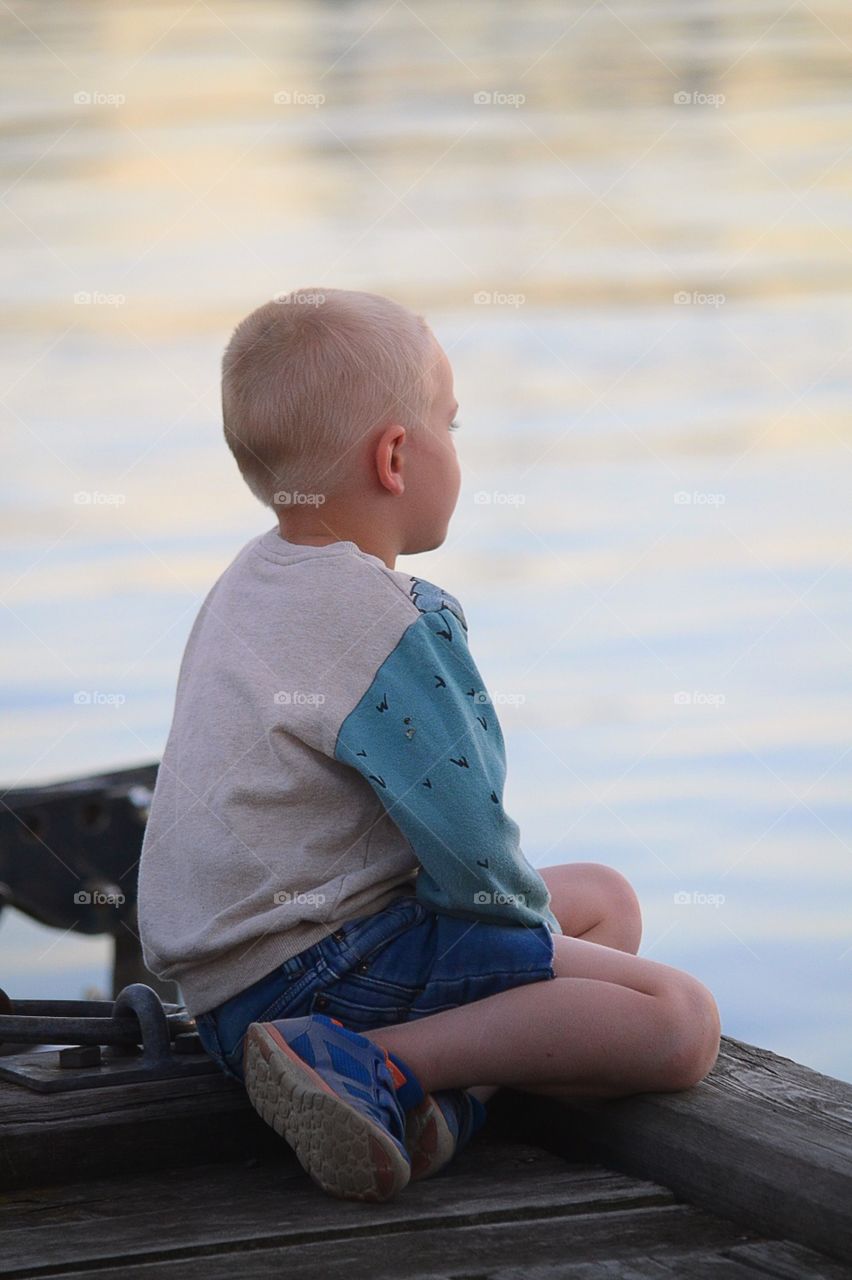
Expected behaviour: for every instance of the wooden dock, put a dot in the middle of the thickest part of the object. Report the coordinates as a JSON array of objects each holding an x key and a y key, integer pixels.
[{"x": 747, "y": 1175}]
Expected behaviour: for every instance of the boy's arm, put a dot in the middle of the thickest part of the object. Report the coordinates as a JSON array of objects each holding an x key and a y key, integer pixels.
[{"x": 426, "y": 737}]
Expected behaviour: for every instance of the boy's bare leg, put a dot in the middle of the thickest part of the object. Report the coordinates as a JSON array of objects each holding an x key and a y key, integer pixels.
[
  {"x": 593, "y": 902},
  {"x": 618, "y": 1025},
  {"x": 610, "y": 1024}
]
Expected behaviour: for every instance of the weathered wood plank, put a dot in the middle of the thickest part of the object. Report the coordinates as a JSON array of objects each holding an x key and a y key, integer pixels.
[
  {"x": 762, "y": 1140},
  {"x": 466, "y": 1253},
  {"x": 786, "y": 1260},
  {"x": 269, "y": 1202},
  {"x": 771, "y": 1258},
  {"x": 91, "y": 1132}
]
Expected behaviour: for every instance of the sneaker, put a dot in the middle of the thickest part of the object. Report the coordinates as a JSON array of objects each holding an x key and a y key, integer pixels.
[
  {"x": 439, "y": 1127},
  {"x": 332, "y": 1095}
]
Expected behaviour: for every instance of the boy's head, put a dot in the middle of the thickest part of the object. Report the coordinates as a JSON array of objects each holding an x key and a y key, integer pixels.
[{"x": 337, "y": 406}]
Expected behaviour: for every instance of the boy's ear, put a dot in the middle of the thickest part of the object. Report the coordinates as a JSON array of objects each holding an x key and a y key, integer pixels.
[{"x": 390, "y": 458}]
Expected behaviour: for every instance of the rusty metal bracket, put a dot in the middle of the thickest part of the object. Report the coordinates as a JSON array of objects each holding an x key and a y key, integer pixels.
[{"x": 129, "y": 1040}]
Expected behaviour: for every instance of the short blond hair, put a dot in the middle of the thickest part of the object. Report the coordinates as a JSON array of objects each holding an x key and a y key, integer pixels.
[{"x": 308, "y": 374}]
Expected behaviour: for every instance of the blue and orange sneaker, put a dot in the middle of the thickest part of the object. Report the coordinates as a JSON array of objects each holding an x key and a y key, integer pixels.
[
  {"x": 337, "y": 1099},
  {"x": 438, "y": 1127}
]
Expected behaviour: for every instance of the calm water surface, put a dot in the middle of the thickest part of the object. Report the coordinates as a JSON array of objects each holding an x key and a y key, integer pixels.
[{"x": 652, "y": 542}]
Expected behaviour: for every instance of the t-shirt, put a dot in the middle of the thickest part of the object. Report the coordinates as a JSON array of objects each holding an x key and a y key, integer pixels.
[{"x": 332, "y": 747}]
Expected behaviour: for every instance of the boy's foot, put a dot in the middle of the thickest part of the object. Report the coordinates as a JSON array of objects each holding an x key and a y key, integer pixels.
[
  {"x": 439, "y": 1127},
  {"x": 332, "y": 1095}
]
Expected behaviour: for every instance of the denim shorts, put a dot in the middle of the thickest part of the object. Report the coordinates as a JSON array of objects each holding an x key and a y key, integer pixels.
[{"x": 401, "y": 963}]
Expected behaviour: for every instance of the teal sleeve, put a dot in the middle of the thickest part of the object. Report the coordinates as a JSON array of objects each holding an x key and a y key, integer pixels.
[{"x": 426, "y": 737}]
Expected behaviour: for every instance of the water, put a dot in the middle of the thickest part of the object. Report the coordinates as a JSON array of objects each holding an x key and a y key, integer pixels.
[{"x": 660, "y": 575}]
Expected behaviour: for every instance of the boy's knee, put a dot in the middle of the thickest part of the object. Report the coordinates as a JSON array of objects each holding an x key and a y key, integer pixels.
[
  {"x": 693, "y": 1033},
  {"x": 613, "y": 889},
  {"x": 623, "y": 907}
]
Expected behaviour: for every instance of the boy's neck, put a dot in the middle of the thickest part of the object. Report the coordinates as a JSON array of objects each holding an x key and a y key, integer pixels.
[{"x": 370, "y": 543}]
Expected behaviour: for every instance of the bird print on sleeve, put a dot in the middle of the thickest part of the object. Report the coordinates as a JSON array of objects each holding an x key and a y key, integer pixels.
[{"x": 426, "y": 737}]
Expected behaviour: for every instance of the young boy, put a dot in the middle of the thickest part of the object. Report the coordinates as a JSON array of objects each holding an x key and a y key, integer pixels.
[{"x": 328, "y": 870}]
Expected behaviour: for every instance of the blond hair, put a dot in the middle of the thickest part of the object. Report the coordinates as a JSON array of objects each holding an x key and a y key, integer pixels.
[{"x": 309, "y": 374}]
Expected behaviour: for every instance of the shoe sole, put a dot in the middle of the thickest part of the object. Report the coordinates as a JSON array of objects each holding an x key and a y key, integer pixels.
[
  {"x": 428, "y": 1139},
  {"x": 346, "y": 1153}
]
